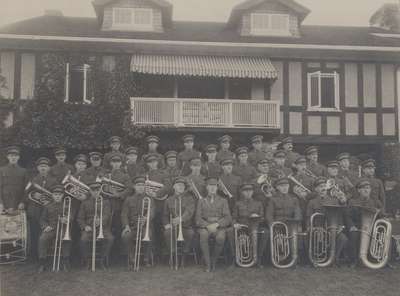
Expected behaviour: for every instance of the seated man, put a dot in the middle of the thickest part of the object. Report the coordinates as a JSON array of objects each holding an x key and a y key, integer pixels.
[
  {"x": 48, "y": 222},
  {"x": 212, "y": 219},
  {"x": 250, "y": 212},
  {"x": 179, "y": 208},
  {"x": 86, "y": 219}
]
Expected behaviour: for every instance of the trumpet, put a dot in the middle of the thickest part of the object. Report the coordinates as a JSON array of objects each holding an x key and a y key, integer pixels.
[
  {"x": 98, "y": 215},
  {"x": 38, "y": 194},
  {"x": 176, "y": 236},
  {"x": 110, "y": 187},
  {"x": 66, "y": 212},
  {"x": 245, "y": 247},
  {"x": 194, "y": 189},
  {"x": 284, "y": 249},
  {"x": 152, "y": 188},
  {"x": 224, "y": 189},
  {"x": 75, "y": 188},
  {"x": 145, "y": 216}
]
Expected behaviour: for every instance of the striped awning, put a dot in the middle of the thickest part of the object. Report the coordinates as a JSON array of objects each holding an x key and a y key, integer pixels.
[{"x": 205, "y": 66}]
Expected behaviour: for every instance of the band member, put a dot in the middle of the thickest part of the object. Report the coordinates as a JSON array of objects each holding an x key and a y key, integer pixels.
[
  {"x": 211, "y": 167},
  {"x": 377, "y": 189},
  {"x": 316, "y": 205},
  {"x": 345, "y": 172},
  {"x": 131, "y": 215},
  {"x": 231, "y": 181},
  {"x": 61, "y": 168},
  {"x": 133, "y": 167},
  {"x": 256, "y": 153},
  {"x": 225, "y": 144},
  {"x": 312, "y": 155},
  {"x": 303, "y": 194},
  {"x": 86, "y": 216},
  {"x": 181, "y": 208},
  {"x": 171, "y": 170},
  {"x": 48, "y": 222},
  {"x": 115, "y": 143},
  {"x": 212, "y": 219},
  {"x": 364, "y": 198},
  {"x": 291, "y": 156},
  {"x": 13, "y": 180},
  {"x": 243, "y": 168},
  {"x": 152, "y": 147},
  {"x": 250, "y": 212},
  {"x": 96, "y": 169},
  {"x": 333, "y": 176},
  {"x": 34, "y": 210},
  {"x": 280, "y": 170},
  {"x": 187, "y": 154},
  {"x": 80, "y": 165},
  {"x": 196, "y": 178}
]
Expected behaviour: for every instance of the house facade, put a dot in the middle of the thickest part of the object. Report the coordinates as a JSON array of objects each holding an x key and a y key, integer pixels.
[{"x": 262, "y": 71}]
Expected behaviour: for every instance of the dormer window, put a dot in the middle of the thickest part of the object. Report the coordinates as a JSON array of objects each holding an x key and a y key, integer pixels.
[
  {"x": 270, "y": 24},
  {"x": 140, "y": 19}
]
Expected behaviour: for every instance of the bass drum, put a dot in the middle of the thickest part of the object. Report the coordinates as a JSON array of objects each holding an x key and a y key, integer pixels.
[{"x": 13, "y": 238}]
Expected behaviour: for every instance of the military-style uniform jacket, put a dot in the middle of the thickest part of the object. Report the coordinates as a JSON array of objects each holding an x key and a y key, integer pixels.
[
  {"x": 244, "y": 208},
  {"x": 121, "y": 177},
  {"x": 378, "y": 191},
  {"x": 213, "y": 210},
  {"x": 199, "y": 181},
  {"x": 256, "y": 155},
  {"x": 343, "y": 186},
  {"x": 353, "y": 217},
  {"x": 291, "y": 156},
  {"x": 184, "y": 158},
  {"x": 258, "y": 194},
  {"x": 171, "y": 207},
  {"x": 47, "y": 182},
  {"x": 351, "y": 176},
  {"x": 304, "y": 179},
  {"x": 107, "y": 159},
  {"x": 317, "y": 169},
  {"x": 87, "y": 211},
  {"x": 283, "y": 207},
  {"x": 13, "y": 180},
  {"x": 232, "y": 183},
  {"x": 171, "y": 173},
  {"x": 60, "y": 170},
  {"x": 225, "y": 154},
  {"x": 93, "y": 172},
  {"x": 134, "y": 170},
  {"x": 211, "y": 169},
  {"x": 245, "y": 171},
  {"x": 132, "y": 209},
  {"x": 50, "y": 214}
]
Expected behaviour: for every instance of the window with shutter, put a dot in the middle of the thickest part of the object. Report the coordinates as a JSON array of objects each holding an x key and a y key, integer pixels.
[{"x": 78, "y": 84}]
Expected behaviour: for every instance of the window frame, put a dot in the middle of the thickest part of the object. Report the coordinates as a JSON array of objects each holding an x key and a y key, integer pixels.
[
  {"x": 132, "y": 25},
  {"x": 320, "y": 75},
  {"x": 85, "y": 100},
  {"x": 269, "y": 31}
]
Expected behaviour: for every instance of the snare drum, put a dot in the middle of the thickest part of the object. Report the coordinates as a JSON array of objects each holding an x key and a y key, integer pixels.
[{"x": 13, "y": 238}]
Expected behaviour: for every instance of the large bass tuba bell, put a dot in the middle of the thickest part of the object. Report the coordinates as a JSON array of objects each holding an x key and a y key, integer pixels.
[
  {"x": 283, "y": 239},
  {"x": 245, "y": 246}
]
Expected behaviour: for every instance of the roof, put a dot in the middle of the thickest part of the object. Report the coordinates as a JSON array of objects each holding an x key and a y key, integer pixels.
[
  {"x": 201, "y": 32},
  {"x": 387, "y": 16},
  {"x": 239, "y": 9},
  {"x": 204, "y": 66}
]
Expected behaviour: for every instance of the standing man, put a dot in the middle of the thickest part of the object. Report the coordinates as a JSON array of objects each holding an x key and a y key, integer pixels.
[
  {"x": 96, "y": 169},
  {"x": 312, "y": 155},
  {"x": 187, "y": 154},
  {"x": 133, "y": 167},
  {"x": 212, "y": 219},
  {"x": 196, "y": 178},
  {"x": 212, "y": 167},
  {"x": 303, "y": 194},
  {"x": 152, "y": 148},
  {"x": 280, "y": 170},
  {"x": 171, "y": 170},
  {"x": 243, "y": 168},
  {"x": 263, "y": 189},
  {"x": 377, "y": 189},
  {"x": 224, "y": 152},
  {"x": 333, "y": 175},
  {"x": 256, "y": 153},
  {"x": 59, "y": 170},
  {"x": 291, "y": 156},
  {"x": 231, "y": 181},
  {"x": 350, "y": 176},
  {"x": 13, "y": 180},
  {"x": 115, "y": 143}
]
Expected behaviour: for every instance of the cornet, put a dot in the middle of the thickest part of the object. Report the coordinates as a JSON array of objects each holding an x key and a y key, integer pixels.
[
  {"x": 75, "y": 188},
  {"x": 38, "y": 194},
  {"x": 110, "y": 187},
  {"x": 98, "y": 215}
]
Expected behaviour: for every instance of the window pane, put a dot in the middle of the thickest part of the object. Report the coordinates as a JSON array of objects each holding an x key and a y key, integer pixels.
[
  {"x": 314, "y": 91},
  {"x": 122, "y": 16},
  {"x": 76, "y": 84},
  {"x": 260, "y": 21},
  {"x": 279, "y": 22},
  {"x": 142, "y": 16},
  {"x": 327, "y": 92},
  {"x": 239, "y": 89}
]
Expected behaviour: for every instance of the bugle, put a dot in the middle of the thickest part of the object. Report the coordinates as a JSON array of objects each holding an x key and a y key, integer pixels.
[
  {"x": 38, "y": 194},
  {"x": 143, "y": 217},
  {"x": 245, "y": 246},
  {"x": 75, "y": 188},
  {"x": 98, "y": 216},
  {"x": 283, "y": 240}
]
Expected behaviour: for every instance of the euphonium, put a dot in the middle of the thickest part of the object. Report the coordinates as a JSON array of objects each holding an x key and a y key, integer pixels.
[
  {"x": 38, "y": 194},
  {"x": 245, "y": 247},
  {"x": 284, "y": 249},
  {"x": 375, "y": 239},
  {"x": 75, "y": 188},
  {"x": 110, "y": 187}
]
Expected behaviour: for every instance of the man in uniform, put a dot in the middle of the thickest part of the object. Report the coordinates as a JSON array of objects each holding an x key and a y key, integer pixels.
[
  {"x": 48, "y": 222},
  {"x": 316, "y": 205},
  {"x": 225, "y": 144},
  {"x": 13, "y": 180},
  {"x": 350, "y": 176},
  {"x": 250, "y": 212},
  {"x": 152, "y": 148},
  {"x": 96, "y": 169},
  {"x": 86, "y": 220},
  {"x": 256, "y": 153},
  {"x": 377, "y": 189},
  {"x": 196, "y": 179},
  {"x": 304, "y": 193},
  {"x": 312, "y": 155},
  {"x": 333, "y": 176},
  {"x": 171, "y": 170},
  {"x": 115, "y": 143},
  {"x": 59, "y": 170},
  {"x": 211, "y": 167},
  {"x": 80, "y": 165},
  {"x": 187, "y": 154},
  {"x": 231, "y": 182},
  {"x": 131, "y": 215},
  {"x": 280, "y": 170},
  {"x": 133, "y": 167},
  {"x": 212, "y": 219},
  {"x": 243, "y": 168},
  {"x": 263, "y": 182},
  {"x": 291, "y": 156},
  {"x": 364, "y": 198},
  {"x": 179, "y": 208}
]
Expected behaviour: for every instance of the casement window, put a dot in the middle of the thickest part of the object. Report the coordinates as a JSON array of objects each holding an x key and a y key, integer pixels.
[
  {"x": 78, "y": 84},
  {"x": 133, "y": 18},
  {"x": 323, "y": 91},
  {"x": 7, "y": 72},
  {"x": 269, "y": 24}
]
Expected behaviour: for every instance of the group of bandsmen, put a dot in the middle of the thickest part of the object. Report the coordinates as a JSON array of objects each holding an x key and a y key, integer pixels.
[{"x": 209, "y": 194}]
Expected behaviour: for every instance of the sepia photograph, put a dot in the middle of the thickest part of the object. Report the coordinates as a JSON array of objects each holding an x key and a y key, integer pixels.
[{"x": 200, "y": 147}]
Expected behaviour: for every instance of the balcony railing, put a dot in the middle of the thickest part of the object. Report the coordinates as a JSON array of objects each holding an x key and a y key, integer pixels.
[{"x": 206, "y": 113}]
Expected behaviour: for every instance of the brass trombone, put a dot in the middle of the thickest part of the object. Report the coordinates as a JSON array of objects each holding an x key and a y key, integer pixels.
[
  {"x": 145, "y": 216},
  {"x": 176, "y": 236},
  {"x": 98, "y": 215},
  {"x": 283, "y": 239},
  {"x": 66, "y": 213}
]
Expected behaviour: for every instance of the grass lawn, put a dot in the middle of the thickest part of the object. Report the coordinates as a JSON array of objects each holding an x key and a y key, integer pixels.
[{"x": 303, "y": 281}]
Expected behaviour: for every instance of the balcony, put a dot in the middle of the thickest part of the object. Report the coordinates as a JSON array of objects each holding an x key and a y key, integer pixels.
[{"x": 207, "y": 113}]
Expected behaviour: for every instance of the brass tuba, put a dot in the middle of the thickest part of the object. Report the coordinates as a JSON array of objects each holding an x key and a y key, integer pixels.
[
  {"x": 375, "y": 239},
  {"x": 38, "y": 194},
  {"x": 75, "y": 188},
  {"x": 283, "y": 239},
  {"x": 245, "y": 247}
]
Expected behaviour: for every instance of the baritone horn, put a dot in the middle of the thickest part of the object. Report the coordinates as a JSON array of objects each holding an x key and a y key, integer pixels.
[
  {"x": 152, "y": 188},
  {"x": 245, "y": 246},
  {"x": 284, "y": 249},
  {"x": 75, "y": 188},
  {"x": 38, "y": 194},
  {"x": 145, "y": 216},
  {"x": 110, "y": 187}
]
